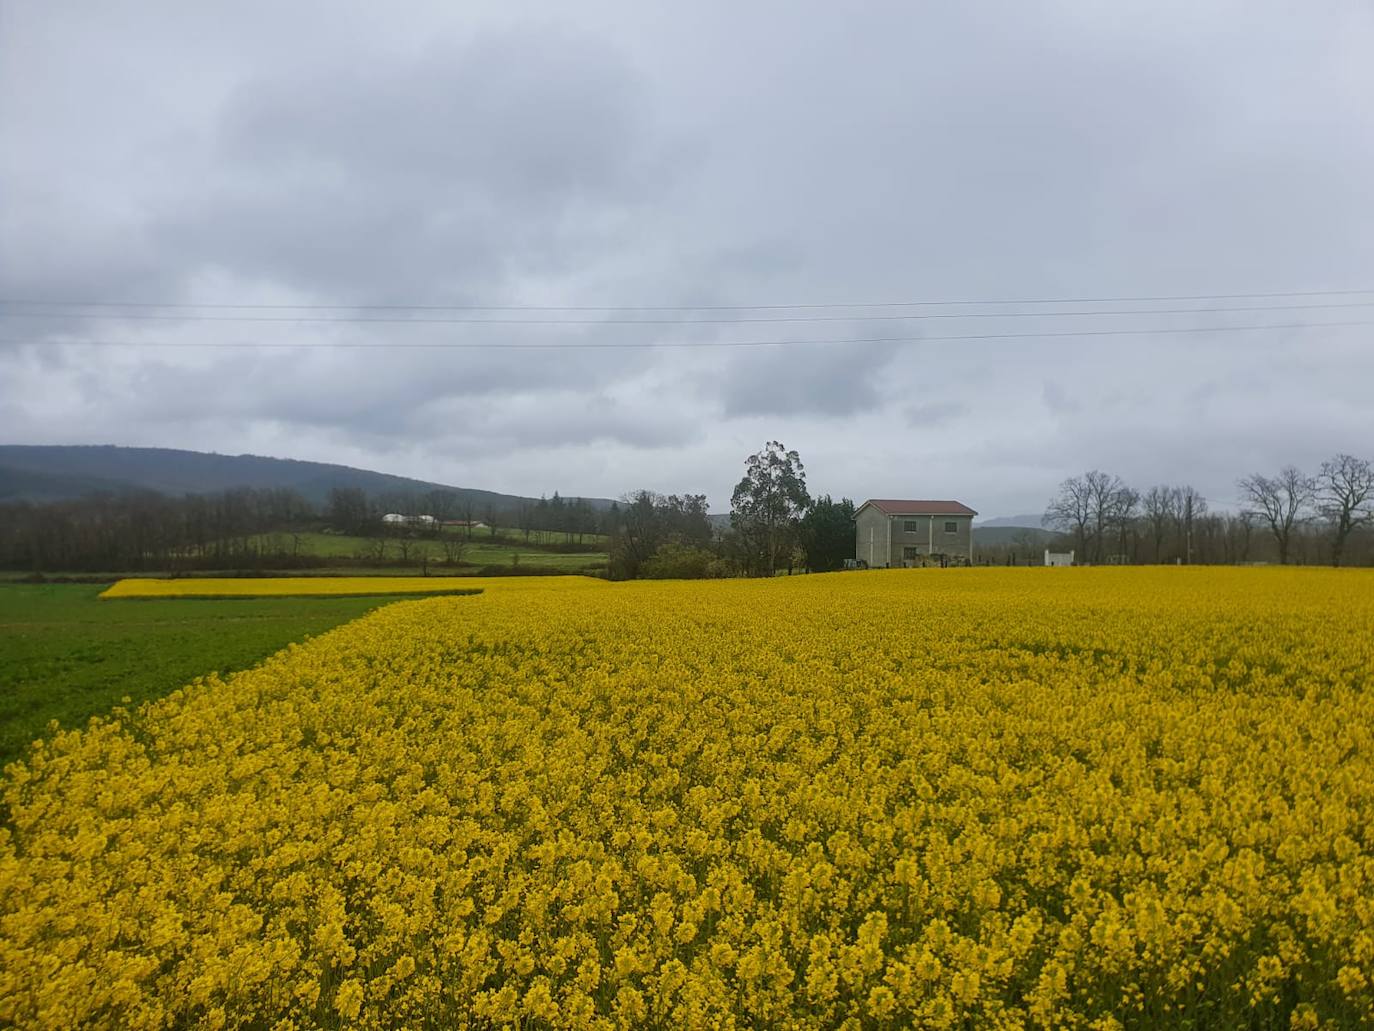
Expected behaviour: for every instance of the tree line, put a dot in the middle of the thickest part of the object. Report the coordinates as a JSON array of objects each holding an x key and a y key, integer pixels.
[
  {"x": 774, "y": 524},
  {"x": 146, "y": 530},
  {"x": 1287, "y": 516},
  {"x": 251, "y": 528}
]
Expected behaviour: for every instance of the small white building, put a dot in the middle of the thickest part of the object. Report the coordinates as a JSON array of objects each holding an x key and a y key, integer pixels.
[
  {"x": 1058, "y": 558},
  {"x": 396, "y": 519}
]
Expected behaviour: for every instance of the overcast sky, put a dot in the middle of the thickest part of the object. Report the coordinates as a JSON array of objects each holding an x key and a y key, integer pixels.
[{"x": 630, "y": 155}]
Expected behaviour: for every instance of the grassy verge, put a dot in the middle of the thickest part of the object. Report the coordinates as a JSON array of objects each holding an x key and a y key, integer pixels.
[{"x": 66, "y": 656}]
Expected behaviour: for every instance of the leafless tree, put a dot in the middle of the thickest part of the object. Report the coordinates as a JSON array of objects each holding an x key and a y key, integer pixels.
[
  {"x": 1240, "y": 529},
  {"x": 1158, "y": 506},
  {"x": 1345, "y": 496},
  {"x": 453, "y": 549},
  {"x": 1105, "y": 497},
  {"x": 1282, "y": 502},
  {"x": 1122, "y": 509},
  {"x": 1189, "y": 506},
  {"x": 441, "y": 504},
  {"x": 1071, "y": 511}
]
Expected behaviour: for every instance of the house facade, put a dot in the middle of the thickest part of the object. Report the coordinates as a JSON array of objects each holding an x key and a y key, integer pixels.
[{"x": 896, "y": 533}]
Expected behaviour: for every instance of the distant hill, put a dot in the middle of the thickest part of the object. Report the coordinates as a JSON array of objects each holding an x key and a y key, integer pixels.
[
  {"x": 1030, "y": 520},
  {"x": 59, "y": 472},
  {"x": 990, "y": 536}
]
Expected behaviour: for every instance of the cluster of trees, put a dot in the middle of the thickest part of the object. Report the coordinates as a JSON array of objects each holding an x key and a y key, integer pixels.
[
  {"x": 146, "y": 530},
  {"x": 774, "y": 524},
  {"x": 1288, "y": 516},
  {"x": 662, "y": 535},
  {"x": 575, "y": 518}
]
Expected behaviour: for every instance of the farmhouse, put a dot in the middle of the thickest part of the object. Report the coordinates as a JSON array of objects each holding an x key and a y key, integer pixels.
[{"x": 894, "y": 534}]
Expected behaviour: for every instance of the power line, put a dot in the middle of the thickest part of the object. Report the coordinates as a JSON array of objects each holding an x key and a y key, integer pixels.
[
  {"x": 672, "y": 344},
  {"x": 451, "y": 321},
  {"x": 181, "y": 305}
]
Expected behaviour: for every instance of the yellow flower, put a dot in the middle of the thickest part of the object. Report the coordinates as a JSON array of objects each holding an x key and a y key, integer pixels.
[
  {"x": 934, "y": 797},
  {"x": 349, "y": 999}
]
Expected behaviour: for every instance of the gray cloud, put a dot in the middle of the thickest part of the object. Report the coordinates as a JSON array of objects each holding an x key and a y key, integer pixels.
[
  {"x": 436, "y": 176},
  {"x": 933, "y": 413},
  {"x": 821, "y": 380},
  {"x": 706, "y": 155}
]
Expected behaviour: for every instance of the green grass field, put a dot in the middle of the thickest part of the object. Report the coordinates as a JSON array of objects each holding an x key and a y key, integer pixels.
[
  {"x": 546, "y": 536},
  {"x": 66, "y": 656},
  {"x": 477, "y": 552}
]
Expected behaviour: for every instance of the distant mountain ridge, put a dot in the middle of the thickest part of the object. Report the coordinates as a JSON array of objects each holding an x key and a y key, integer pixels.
[
  {"x": 991, "y": 536},
  {"x": 57, "y": 472},
  {"x": 1029, "y": 521}
]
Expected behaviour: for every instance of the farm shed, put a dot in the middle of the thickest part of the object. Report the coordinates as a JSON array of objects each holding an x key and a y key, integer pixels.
[{"x": 897, "y": 533}]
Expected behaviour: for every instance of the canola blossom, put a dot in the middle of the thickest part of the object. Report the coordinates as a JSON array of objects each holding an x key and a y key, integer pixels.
[
  {"x": 941, "y": 798},
  {"x": 327, "y": 586}
]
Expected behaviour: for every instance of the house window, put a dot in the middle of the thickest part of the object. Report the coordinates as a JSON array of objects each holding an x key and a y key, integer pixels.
[
  {"x": 911, "y": 525},
  {"x": 951, "y": 526},
  {"x": 909, "y": 552}
]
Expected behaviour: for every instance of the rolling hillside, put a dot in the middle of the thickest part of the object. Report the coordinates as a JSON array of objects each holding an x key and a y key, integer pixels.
[
  {"x": 991, "y": 536},
  {"x": 57, "y": 472}
]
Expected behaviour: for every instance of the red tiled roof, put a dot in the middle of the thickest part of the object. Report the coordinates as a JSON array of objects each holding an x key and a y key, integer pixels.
[{"x": 893, "y": 508}]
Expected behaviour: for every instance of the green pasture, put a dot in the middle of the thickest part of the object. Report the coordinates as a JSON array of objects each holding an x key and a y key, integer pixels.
[
  {"x": 545, "y": 536},
  {"x": 66, "y": 656},
  {"x": 476, "y": 552}
]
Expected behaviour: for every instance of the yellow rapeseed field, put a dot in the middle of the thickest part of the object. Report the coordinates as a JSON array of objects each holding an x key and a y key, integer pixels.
[
  {"x": 938, "y": 798},
  {"x": 323, "y": 586}
]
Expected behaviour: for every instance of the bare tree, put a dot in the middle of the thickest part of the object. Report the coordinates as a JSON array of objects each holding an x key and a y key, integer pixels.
[
  {"x": 1236, "y": 533},
  {"x": 1189, "y": 506},
  {"x": 1158, "y": 505},
  {"x": 1071, "y": 511},
  {"x": 1104, "y": 496},
  {"x": 453, "y": 549},
  {"x": 442, "y": 505},
  {"x": 374, "y": 548},
  {"x": 1282, "y": 502},
  {"x": 1123, "y": 503},
  {"x": 1345, "y": 489}
]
